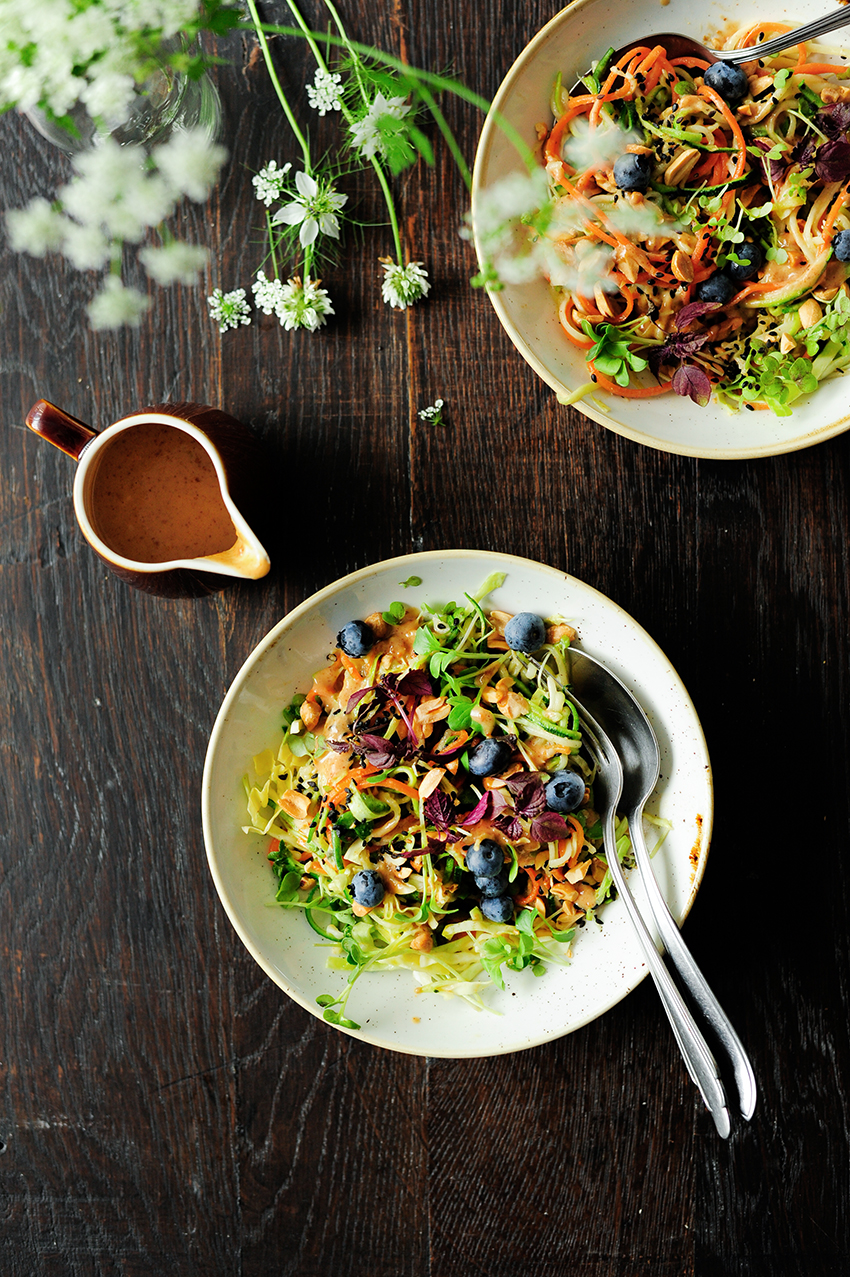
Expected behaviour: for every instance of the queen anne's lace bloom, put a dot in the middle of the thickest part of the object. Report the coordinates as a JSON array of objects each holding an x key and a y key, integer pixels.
[
  {"x": 404, "y": 285},
  {"x": 175, "y": 263},
  {"x": 269, "y": 296},
  {"x": 323, "y": 93},
  {"x": 315, "y": 209},
  {"x": 190, "y": 162},
  {"x": 116, "y": 305},
  {"x": 229, "y": 310},
  {"x": 366, "y": 133},
  {"x": 268, "y": 183}
]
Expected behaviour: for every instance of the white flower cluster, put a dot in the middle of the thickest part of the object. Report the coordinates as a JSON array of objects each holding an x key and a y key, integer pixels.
[
  {"x": 403, "y": 285},
  {"x": 366, "y": 134},
  {"x": 56, "y": 53},
  {"x": 229, "y": 310},
  {"x": 117, "y": 193},
  {"x": 434, "y": 414},
  {"x": 296, "y": 304},
  {"x": 323, "y": 93},
  {"x": 268, "y": 183}
]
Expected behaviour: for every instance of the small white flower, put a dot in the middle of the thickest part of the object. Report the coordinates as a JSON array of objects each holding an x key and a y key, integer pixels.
[
  {"x": 190, "y": 161},
  {"x": 176, "y": 263},
  {"x": 86, "y": 247},
  {"x": 315, "y": 209},
  {"x": 36, "y": 229},
  {"x": 269, "y": 296},
  {"x": 229, "y": 310},
  {"x": 323, "y": 93},
  {"x": 115, "y": 305},
  {"x": 433, "y": 414},
  {"x": 366, "y": 133},
  {"x": 269, "y": 181},
  {"x": 403, "y": 285},
  {"x": 303, "y": 305}
]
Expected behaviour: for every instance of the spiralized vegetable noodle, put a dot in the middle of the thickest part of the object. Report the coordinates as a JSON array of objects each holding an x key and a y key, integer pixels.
[
  {"x": 726, "y": 274},
  {"x": 374, "y": 782}
]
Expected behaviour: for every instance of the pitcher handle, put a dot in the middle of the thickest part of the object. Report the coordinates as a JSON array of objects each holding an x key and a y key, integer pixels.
[{"x": 60, "y": 428}]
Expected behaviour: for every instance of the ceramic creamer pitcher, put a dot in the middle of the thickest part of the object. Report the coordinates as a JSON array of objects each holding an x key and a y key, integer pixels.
[{"x": 161, "y": 494}]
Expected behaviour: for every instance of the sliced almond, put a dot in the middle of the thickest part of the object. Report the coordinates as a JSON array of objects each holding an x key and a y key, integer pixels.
[
  {"x": 681, "y": 166},
  {"x": 431, "y": 781},
  {"x": 682, "y": 267}
]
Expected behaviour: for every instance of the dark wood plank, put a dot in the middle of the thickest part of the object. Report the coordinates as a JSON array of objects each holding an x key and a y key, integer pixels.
[{"x": 165, "y": 1108}]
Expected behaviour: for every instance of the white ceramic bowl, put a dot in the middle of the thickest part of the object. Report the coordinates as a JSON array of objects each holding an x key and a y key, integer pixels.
[
  {"x": 607, "y": 962},
  {"x": 569, "y": 44}
]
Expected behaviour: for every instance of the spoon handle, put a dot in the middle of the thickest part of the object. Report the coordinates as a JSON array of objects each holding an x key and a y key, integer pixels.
[
  {"x": 683, "y": 961},
  {"x": 698, "y": 1059},
  {"x": 819, "y": 26}
]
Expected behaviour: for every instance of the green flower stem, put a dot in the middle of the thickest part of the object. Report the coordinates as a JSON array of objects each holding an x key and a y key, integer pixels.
[
  {"x": 260, "y": 31},
  {"x": 419, "y": 77},
  {"x": 320, "y": 62},
  {"x": 271, "y": 244}
]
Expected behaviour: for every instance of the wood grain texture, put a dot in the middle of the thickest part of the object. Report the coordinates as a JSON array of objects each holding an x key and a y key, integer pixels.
[{"x": 164, "y": 1108}]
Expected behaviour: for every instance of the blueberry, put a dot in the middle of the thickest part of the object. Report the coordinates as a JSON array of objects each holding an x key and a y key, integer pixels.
[
  {"x": 489, "y": 757},
  {"x": 498, "y": 908},
  {"x": 729, "y": 81},
  {"x": 367, "y": 887},
  {"x": 753, "y": 259},
  {"x": 717, "y": 288},
  {"x": 632, "y": 172},
  {"x": 486, "y": 859},
  {"x": 524, "y": 632},
  {"x": 841, "y": 246},
  {"x": 565, "y": 791},
  {"x": 490, "y": 887},
  {"x": 355, "y": 638}
]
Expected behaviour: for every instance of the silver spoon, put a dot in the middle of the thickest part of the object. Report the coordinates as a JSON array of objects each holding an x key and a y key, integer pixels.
[
  {"x": 679, "y": 46},
  {"x": 631, "y": 734},
  {"x": 695, "y": 1050}
]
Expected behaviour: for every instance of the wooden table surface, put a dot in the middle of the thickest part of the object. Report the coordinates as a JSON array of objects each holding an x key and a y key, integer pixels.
[{"x": 165, "y": 1108}]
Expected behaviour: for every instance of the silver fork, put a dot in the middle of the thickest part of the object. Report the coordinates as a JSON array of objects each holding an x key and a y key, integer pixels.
[{"x": 696, "y": 1052}]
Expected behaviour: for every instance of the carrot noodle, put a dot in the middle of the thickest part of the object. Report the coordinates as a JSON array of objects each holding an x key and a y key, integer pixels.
[{"x": 710, "y": 220}]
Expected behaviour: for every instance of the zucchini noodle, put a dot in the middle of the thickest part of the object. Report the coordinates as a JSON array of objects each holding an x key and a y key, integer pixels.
[
  {"x": 723, "y": 269},
  {"x": 378, "y": 778}
]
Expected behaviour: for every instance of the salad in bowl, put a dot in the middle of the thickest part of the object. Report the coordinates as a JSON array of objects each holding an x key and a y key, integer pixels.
[{"x": 429, "y": 805}]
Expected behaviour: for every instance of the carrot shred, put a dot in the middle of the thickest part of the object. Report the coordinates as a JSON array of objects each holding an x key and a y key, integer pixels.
[
  {"x": 630, "y": 392},
  {"x": 390, "y": 782},
  {"x": 705, "y": 91},
  {"x": 828, "y": 223}
]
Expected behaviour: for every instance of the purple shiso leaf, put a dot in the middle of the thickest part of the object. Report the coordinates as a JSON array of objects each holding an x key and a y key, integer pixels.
[
  {"x": 519, "y": 779},
  {"x": 439, "y": 809},
  {"x": 693, "y": 310},
  {"x": 357, "y": 697},
  {"x": 833, "y": 161},
  {"x": 340, "y": 746},
  {"x": 834, "y": 120},
  {"x": 530, "y": 799},
  {"x": 692, "y": 383},
  {"x": 678, "y": 346},
  {"x": 509, "y": 824},
  {"x": 549, "y": 827},
  {"x": 480, "y": 811},
  {"x": 416, "y": 683},
  {"x": 377, "y": 750}
]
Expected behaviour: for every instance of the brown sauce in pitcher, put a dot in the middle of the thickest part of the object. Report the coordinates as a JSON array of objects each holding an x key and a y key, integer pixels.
[{"x": 155, "y": 496}]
